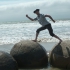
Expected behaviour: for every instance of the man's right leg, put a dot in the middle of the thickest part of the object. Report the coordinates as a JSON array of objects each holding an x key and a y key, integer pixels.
[
  {"x": 37, "y": 32},
  {"x": 36, "y": 37}
]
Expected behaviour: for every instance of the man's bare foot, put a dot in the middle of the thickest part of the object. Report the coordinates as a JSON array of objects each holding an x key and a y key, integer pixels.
[{"x": 34, "y": 40}]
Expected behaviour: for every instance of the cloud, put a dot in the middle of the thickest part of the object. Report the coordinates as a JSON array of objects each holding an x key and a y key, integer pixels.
[{"x": 16, "y": 11}]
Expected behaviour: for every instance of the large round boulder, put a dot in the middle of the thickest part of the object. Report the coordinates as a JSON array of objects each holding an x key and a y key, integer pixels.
[
  {"x": 7, "y": 62},
  {"x": 60, "y": 55},
  {"x": 29, "y": 54}
]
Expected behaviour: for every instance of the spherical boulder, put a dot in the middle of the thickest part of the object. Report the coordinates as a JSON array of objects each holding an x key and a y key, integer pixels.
[
  {"x": 60, "y": 55},
  {"x": 29, "y": 54},
  {"x": 7, "y": 62}
]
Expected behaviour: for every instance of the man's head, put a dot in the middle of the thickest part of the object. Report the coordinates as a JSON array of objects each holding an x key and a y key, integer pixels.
[{"x": 36, "y": 11}]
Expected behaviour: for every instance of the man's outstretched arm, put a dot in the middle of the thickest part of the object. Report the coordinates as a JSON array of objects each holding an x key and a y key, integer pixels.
[
  {"x": 50, "y": 18},
  {"x": 29, "y": 18}
]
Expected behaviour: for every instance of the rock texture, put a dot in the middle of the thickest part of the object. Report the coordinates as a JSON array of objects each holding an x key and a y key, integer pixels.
[
  {"x": 7, "y": 62},
  {"x": 60, "y": 55},
  {"x": 29, "y": 54}
]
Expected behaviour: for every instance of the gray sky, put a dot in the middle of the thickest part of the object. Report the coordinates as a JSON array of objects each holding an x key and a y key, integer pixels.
[{"x": 15, "y": 10}]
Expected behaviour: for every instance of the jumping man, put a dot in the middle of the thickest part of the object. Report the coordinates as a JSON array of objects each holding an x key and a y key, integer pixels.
[{"x": 45, "y": 24}]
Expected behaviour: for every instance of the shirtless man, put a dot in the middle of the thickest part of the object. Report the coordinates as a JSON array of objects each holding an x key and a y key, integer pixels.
[{"x": 45, "y": 24}]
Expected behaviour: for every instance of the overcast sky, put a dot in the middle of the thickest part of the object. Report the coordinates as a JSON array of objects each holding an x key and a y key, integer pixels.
[{"x": 15, "y": 10}]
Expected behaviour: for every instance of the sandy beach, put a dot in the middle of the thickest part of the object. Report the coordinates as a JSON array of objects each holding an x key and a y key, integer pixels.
[{"x": 46, "y": 45}]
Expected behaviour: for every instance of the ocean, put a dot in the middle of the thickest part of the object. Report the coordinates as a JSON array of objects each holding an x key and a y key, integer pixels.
[{"x": 13, "y": 32}]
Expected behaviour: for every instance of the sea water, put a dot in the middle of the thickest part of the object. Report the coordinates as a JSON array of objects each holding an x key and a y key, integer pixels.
[{"x": 12, "y": 32}]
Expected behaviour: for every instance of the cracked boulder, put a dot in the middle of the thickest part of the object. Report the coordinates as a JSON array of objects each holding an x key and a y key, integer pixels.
[
  {"x": 29, "y": 54},
  {"x": 7, "y": 62},
  {"x": 60, "y": 55}
]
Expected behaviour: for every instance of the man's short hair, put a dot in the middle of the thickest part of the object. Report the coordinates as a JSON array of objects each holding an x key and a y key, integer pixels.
[{"x": 36, "y": 10}]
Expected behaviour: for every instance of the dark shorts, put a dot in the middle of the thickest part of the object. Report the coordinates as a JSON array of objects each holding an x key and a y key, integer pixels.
[{"x": 49, "y": 27}]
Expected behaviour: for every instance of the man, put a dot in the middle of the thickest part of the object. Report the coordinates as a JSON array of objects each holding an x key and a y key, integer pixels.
[{"x": 45, "y": 24}]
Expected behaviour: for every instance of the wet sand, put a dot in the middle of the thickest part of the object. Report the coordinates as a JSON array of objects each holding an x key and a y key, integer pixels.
[
  {"x": 47, "y": 45},
  {"x": 6, "y": 47}
]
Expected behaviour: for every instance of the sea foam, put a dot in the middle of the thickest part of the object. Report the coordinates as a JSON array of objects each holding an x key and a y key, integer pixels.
[{"x": 13, "y": 32}]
